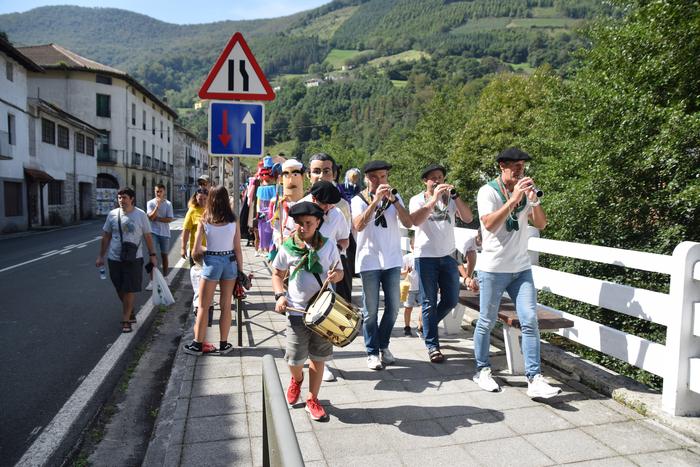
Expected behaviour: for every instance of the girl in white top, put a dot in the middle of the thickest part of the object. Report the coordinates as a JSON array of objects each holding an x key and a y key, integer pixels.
[{"x": 222, "y": 264}]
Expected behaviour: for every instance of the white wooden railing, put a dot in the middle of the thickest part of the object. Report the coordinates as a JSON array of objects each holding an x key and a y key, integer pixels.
[{"x": 678, "y": 361}]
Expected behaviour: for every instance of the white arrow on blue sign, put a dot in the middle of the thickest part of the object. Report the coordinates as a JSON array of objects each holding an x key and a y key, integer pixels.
[{"x": 236, "y": 129}]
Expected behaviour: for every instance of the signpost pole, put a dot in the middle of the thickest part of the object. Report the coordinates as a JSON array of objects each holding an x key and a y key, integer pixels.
[{"x": 237, "y": 185}]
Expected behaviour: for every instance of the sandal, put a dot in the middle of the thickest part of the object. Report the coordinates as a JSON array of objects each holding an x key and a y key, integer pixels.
[
  {"x": 436, "y": 356},
  {"x": 126, "y": 326},
  {"x": 132, "y": 318}
]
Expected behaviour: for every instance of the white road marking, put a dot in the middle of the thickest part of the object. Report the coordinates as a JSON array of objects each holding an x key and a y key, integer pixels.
[{"x": 48, "y": 254}]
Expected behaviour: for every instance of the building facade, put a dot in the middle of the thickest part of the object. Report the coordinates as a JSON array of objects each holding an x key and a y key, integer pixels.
[
  {"x": 191, "y": 161},
  {"x": 135, "y": 145}
]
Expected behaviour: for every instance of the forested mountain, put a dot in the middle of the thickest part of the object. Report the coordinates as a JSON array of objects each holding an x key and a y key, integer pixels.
[{"x": 169, "y": 57}]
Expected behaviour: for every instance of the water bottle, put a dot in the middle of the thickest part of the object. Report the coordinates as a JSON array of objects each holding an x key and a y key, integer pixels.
[{"x": 103, "y": 273}]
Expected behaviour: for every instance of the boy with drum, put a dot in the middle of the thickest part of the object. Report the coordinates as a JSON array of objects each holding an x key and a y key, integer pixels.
[{"x": 308, "y": 258}]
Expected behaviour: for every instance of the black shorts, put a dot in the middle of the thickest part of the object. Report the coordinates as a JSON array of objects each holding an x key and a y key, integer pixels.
[{"x": 126, "y": 275}]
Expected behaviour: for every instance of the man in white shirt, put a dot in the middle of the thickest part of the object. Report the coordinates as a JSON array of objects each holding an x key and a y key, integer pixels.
[
  {"x": 506, "y": 204},
  {"x": 433, "y": 215},
  {"x": 376, "y": 212},
  {"x": 160, "y": 213}
]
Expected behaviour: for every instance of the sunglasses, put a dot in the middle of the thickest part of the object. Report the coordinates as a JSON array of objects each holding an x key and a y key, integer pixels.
[{"x": 203, "y": 192}]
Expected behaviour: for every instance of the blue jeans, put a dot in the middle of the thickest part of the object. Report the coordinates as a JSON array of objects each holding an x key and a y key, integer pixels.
[
  {"x": 437, "y": 274},
  {"x": 377, "y": 335},
  {"x": 521, "y": 290}
]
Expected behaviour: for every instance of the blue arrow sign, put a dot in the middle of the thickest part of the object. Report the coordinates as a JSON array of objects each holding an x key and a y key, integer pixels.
[{"x": 236, "y": 129}]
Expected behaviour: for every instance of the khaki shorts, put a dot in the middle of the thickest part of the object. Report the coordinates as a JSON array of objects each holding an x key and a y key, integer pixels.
[{"x": 304, "y": 344}]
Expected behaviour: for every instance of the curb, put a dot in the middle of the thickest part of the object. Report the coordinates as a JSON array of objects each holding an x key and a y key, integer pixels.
[
  {"x": 622, "y": 389},
  {"x": 59, "y": 438}
]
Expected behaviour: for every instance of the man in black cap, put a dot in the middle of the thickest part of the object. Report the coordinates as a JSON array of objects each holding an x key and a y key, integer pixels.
[
  {"x": 376, "y": 212},
  {"x": 308, "y": 257},
  {"x": 505, "y": 206},
  {"x": 433, "y": 214}
]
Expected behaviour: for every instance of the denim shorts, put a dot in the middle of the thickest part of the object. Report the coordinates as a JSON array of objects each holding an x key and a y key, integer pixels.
[
  {"x": 217, "y": 268},
  {"x": 413, "y": 299},
  {"x": 162, "y": 242}
]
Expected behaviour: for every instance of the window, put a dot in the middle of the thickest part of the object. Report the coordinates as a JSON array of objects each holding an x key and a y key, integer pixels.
[
  {"x": 153, "y": 125},
  {"x": 153, "y": 150},
  {"x": 103, "y": 79},
  {"x": 144, "y": 148},
  {"x": 48, "y": 131},
  {"x": 161, "y": 129},
  {"x": 161, "y": 153},
  {"x": 9, "y": 70},
  {"x": 133, "y": 113},
  {"x": 11, "y": 136},
  {"x": 168, "y": 134},
  {"x": 89, "y": 146},
  {"x": 55, "y": 192},
  {"x": 63, "y": 137},
  {"x": 144, "y": 119},
  {"x": 13, "y": 199},
  {"x": 79, "y": 142},
  {"x": 103, "y": 109}
]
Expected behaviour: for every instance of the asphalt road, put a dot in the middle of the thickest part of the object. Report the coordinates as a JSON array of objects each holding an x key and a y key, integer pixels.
[{"x": 57, "y": 319}]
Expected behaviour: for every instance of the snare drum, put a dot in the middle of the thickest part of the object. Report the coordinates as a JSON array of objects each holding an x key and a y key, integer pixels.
[{"x": 333, "y": 318}]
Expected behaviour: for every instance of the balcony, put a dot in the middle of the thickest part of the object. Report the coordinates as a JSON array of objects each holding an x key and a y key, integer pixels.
[
  {"x": 205, "y": 166},
  {"x": 147, "y": 162},
  {"x": 5, "y": 146},
  {"x": 193, "y": 161},
  {"x": 163, "y": 166},
  {"x": 135, "y": 159},
  {"x": 106, "y": 155},
  {"x": 170, "y": 169}
]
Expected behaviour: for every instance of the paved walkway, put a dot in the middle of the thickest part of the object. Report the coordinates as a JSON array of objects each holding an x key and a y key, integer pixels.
[{"x": 411, "y": 413}]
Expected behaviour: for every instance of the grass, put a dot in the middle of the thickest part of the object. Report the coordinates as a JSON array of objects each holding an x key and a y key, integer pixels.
[
  {"x": 407, "y": 56},
  {"x": 398, "y": 83},
  {"x": 482, "y": 24},
  {"x": 325, "y": 26},
  {"x": 337, "y": 57},
  {"x": 551, "y": 23},
  {"x": 524, "y": 67}
]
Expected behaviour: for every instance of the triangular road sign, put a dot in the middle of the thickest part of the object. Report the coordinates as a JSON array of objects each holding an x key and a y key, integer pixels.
[{"x": 236, "y": 75}]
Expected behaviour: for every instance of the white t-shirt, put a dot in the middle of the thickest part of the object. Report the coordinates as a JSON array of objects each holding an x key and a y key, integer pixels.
[
  {"x": 378, "y": 248},
  {"x": 334, "y": 226},
  {"x": 435, "y": 237},
  {"x": 467, "y": 245},
  {"x": 304, "y": 285},
  {"x": 165, "y": 210},
  {"x": 412, "y": 277},
  {"x": 134, "y": 225},
  {"x": 502, "y": 251}
]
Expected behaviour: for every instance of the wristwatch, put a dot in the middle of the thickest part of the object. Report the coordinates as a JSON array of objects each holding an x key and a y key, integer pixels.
[{"x": 278, "y": 295}]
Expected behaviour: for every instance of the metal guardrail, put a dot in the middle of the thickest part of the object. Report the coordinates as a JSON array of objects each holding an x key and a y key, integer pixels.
[{"x": 280, "y": 444}]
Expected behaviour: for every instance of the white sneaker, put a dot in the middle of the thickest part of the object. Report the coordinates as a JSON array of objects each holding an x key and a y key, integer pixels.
[
  {"x": 540, "y": 388},
  {"x": 149, "y": 286},
  {"x": 387, "y": 357},
  {"x": 373, "y": 362},
  {"x": 485, "y": 381},
  {"x": 328, "y": 374}
]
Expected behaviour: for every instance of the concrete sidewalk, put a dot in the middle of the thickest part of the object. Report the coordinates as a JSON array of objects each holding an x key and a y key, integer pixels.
[{"x": 411, "y": 413}]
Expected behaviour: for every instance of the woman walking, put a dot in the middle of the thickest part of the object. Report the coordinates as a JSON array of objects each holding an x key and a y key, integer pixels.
[{"x": 222, "y": 261}]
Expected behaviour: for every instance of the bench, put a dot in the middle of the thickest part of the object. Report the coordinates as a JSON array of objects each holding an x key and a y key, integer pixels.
[{"x": 507, "y": 315}]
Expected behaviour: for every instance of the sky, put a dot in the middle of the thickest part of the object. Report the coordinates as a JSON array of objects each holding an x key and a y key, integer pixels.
[{"x": 182, "y": 11}]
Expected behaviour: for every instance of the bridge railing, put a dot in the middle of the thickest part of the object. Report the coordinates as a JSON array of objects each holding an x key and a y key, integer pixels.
[{"x": 678, "y": 361}]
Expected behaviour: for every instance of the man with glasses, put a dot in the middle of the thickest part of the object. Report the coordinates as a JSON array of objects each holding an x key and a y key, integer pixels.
[
  {"x": 376, "y": 212},
  {"x": 506, "y": 204},
  {"x": 433, "y": 215}
]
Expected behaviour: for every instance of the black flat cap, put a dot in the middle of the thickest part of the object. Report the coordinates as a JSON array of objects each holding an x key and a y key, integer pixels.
[
  {"x": 513, "y": 154},
  {"x": 432, "y": 167},
  {"x": 325, "y": 192},
  {"x": 376, "y": 165},
  {"x": 305, "y": 208}
]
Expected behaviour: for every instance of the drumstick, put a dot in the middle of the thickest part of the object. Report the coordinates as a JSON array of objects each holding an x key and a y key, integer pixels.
[
  {"x": 298, "y": 310},
  {"x": 327, "y": 281}
]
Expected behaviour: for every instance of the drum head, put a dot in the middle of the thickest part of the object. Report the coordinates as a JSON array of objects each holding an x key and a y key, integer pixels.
[{"x": 319, "y": 307}]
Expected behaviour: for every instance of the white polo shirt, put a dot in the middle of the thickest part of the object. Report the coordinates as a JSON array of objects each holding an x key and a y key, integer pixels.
[
  {"x": 435, "y": 237},
  {"x": 378, "y": 248}
]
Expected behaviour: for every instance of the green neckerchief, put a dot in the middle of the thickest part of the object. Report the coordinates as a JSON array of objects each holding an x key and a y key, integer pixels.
[
  {"x": 512, "y": 220},
  {"x": 309, "y": 256}
]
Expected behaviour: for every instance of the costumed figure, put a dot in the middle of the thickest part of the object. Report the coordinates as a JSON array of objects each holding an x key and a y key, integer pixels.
[
  {"x": 292, "y": 181},
  {"x": 266, "y": 193}
]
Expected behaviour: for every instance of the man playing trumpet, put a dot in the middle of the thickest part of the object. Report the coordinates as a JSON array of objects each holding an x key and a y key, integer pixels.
[
  {"x": 308, "y": 257},
  {"x": 375, "y": 215},
  {"x": 433, "y": 213},
  {"x": 506, "y": 204}
]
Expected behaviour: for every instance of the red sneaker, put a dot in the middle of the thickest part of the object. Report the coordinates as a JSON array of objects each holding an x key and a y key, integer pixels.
[
  {"x": 315, "y": 409},
  {"x": 293, "y": 391}
]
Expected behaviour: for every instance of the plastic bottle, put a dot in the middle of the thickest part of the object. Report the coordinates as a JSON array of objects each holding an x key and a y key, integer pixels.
[{"x": 103, "y": 273}]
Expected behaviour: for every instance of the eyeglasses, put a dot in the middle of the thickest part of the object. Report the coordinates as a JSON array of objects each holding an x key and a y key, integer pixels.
[{"x": 321, "y": 171}]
